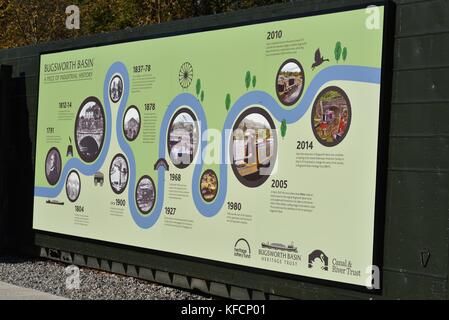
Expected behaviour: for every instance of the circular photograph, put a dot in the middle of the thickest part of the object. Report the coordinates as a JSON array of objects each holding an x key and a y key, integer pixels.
[
  {"x": 331, "y": 116},
  {"x": 89, "y": 129},
  {"x": 290, "y": 82},
  {"x": 145, "y": 194},
  {"x": 253, "y": 147},
  {"x": 116, "y": 88},
  {"x": 209, "y": 185},
  {"x": 118, "y": 173},
  {"x": 53, "y": 166},
  {"x": 182, "y": 140},
  {"x": 73, "y": 186},
  {"x": 131, "y": 123}
]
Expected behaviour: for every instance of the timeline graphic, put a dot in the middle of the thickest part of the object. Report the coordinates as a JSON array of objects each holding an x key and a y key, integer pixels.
[
  {"x": 186, "y": 144},
  {"x": 332, "y": 73}
]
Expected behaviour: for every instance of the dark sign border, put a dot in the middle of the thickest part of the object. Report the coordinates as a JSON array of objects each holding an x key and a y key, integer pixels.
[{"x": 202, "y": 24}]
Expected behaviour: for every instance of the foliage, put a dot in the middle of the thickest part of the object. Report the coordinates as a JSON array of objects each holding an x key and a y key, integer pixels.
[
  {"x": 25, "y": 22},
  {"x": 202, "y": 96},
  {"x": 330, "y": 95},
  {"x": 254, "y": 81},
  {"x": 31, "y": 22},
  {"x": 283, "y": 128},
  {"x": 247, "y": 79},
  {"x": 337, "y": 51},
  {"x": 344, "y": 54},
  {"x": 198, "y": 87},
  {"x": 228, "y": 101}
]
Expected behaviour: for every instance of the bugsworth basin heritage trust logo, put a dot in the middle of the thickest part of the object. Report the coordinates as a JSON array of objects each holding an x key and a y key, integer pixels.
[
  {"x": 242, "y": 249},
  {"x": 279, "y": 253}
]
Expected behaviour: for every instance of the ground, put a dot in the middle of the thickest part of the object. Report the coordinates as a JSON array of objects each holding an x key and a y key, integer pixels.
[{"x": 50, "y": 276}]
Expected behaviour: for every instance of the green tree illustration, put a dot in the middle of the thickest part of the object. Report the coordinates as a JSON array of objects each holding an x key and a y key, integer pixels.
[
  {"x": 202, "y": 95},
  {"x": 254, "y": 81},
  {"x": 198, "y": 87},
  {"x": 344, "y": 54},
  {"x": 228, "y": 102},
  {"x": 337, "y": 51},
  {"x": 283, "y": 128},
  {"x": 247, "y": 79}
]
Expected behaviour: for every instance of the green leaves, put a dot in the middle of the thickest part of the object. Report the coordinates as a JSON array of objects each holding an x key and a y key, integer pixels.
[
  {"x": 283, "y": 128},
  {"x": 34, "y": 21},
  {"x": 198, "y": 87},
  {"x": 247, "y": 79},
  {"x": 340, "y": 52},
  {"x": 31, "y": 22},
  {"x": 228, "y": 101},
  {"x": 337, "y": 51}
]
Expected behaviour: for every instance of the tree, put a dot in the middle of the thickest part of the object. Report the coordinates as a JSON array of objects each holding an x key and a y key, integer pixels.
[
  {"x": 283, "y": 128},
  {"x": 25, "y": 22},
  {"x": 202, "y": 96},
  {"x": 198, "y": 87},
  {"x": 228, "y": 101},
  {"x": 344, "y": 54},
  {"x": 247, "y": 79},
  {"x": 337, "y": 51},
  {"x": 254, "y": 81},
  {"x": 32, "y": 21}
]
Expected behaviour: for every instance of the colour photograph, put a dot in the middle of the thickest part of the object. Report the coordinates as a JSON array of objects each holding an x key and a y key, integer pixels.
[
  {"x": 290, "y": 82},
  {"x": 253, "y": 149},
  {"x": 331, "y": 116}
]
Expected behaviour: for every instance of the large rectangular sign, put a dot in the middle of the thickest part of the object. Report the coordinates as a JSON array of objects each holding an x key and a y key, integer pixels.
[{"x": 253, "y": 145}]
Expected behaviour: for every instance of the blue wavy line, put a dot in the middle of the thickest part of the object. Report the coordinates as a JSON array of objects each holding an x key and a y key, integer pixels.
[
  {"x": 84, "y": 168},
  {"x": 347, "y": 73},
  {"x": 350, "y": 73}
]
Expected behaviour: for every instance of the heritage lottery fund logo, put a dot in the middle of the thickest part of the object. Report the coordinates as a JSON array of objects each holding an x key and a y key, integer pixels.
[
  {"x": 279, "y": 253},
  {"x": 242, "y": 249}
]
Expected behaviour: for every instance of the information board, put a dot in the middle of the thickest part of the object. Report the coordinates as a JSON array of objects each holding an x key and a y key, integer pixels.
[{"x": 254, "y": 145}]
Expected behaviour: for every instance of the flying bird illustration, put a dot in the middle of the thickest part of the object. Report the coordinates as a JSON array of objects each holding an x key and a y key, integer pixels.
[{"x": 318, "y": 59}]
